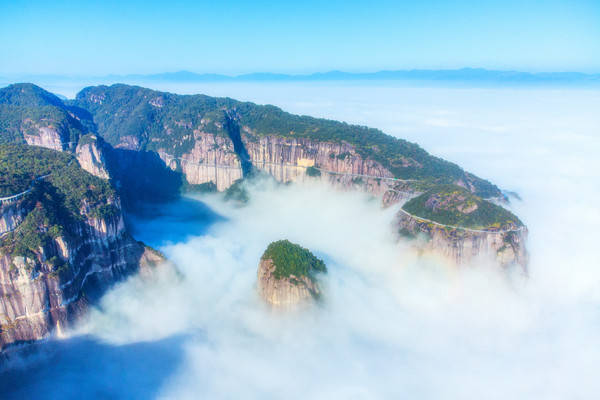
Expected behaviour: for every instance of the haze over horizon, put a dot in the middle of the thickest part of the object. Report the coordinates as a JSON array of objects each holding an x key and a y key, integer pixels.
[{"x": 238, "y": 37}]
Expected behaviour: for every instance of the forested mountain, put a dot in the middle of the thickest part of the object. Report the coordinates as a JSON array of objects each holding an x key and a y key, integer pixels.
[
  {"x": 144, "y": 119},
  {"x": 29, "y": 114}
]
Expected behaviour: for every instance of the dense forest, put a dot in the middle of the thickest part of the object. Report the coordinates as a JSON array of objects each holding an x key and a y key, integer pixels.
[
  {"x": 57, "y": 202},
  {"x": 20, "y": 165},
  {"x": 25, "y": 107},
  {"x": 454, "y": 205},
  {"x": 292, "y": 259}
]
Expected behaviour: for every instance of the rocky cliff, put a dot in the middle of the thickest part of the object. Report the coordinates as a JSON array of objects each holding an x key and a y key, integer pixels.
[
  {"x": 51, "y": 287},
  {"x": 91, "y": 155},
  {"x": 65, "y": 244},
  {"x": 202, "y": 136},
  {"x": 287, "y": 275},
  {"x": 462, "y": 246},
  {"x": 11, "y": 215},
  {"x": 44, "y": 136},
  {"x": 288, "y": 158},
  {"x": 211, "y": 159},
  {"x": 451, "y": 222},
  {"x": 285, "y": 292}
]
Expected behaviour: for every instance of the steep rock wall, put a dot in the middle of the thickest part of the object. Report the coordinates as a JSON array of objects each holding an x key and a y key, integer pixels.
[
  {"x": 288, "y": 158},
  {"x": 284, "y": 292},
  {"x": 462, "y": 246},
  {"x": 212, "y": 159},
  {"x": 48, "y": 137},
  {"x": 11, "y": 215},
  {"x": 91, "y": 156},
  {"x": 51, "y": 289}
]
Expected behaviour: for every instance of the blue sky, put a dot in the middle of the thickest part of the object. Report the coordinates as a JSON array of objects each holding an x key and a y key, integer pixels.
[{"x": 101, "y": 37}]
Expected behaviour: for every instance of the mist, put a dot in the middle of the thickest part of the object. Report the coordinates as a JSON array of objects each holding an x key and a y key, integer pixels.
[{"x": 391, "y": 324}]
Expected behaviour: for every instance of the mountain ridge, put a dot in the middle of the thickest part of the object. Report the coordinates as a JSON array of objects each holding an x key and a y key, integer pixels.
[{"x": 466, "y": 75}]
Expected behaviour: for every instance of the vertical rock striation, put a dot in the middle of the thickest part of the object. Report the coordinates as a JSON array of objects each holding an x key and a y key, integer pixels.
[
  {"x": 90, "y": 153},
  {"x": 11, "y": 215},
  {"x": 212, "y": 159},
  {"x": 48, "y": 137},
  {"x": 463, "y": 246},
  {"x": 64, "y": 243},
  {"x": 285, "y": 292},
  {"x": 449, "y": 220},
  {"x": 50, "y": 288},
  {"x": 287, "y": 159},
  {"x": 287, "y": 275}
]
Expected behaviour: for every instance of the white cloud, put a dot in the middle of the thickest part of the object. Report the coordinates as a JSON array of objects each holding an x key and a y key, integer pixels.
[{"x": 391, "y": 325}]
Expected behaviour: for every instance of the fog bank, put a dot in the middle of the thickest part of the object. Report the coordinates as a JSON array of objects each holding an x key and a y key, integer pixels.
[{"x": 391, "y": 325}]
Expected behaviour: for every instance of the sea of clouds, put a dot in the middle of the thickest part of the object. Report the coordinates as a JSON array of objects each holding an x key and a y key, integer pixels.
[{"x": 391, "y": 325}]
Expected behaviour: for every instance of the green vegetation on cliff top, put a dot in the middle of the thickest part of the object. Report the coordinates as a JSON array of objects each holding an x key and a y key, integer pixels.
[
  {"x": 57, "y": 203},
  {"x": 456, "y": 206},
  {"x": 292, "y": 259},
  {"x": 21, "y": 164},
  {"x": 158, "y": 120},
  {"x": 25, "y": 107}
]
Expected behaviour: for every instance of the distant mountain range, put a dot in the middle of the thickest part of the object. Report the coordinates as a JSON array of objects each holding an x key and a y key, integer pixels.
[{"x": 452, "y": 76}]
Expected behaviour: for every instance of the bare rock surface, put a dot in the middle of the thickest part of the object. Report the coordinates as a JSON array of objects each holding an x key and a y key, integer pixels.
[
  {"x": 288, "y": 275},
  {"x": 284, "y": 292}
]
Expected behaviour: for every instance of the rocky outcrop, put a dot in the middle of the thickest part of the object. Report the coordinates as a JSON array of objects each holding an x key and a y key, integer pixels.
[
  {"x": 262, "y": 137},
  {"x": 284, "y": 292},
  {"x": 48, "y": 137},
  {"x": 287, "y": 159},
  {"x": 212, "y": 159},
  {"x": 49, "y": 289},
  {"x": 461, "y": 246},
  {"x": 11, "y": 215},
  {"x": 90, "y": 153}
]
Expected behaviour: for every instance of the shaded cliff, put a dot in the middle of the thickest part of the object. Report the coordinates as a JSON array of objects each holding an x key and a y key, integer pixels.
[
  {"x": 450, "y": 221},
  {"x": 287, "y": 275},
  {"x": 68, "y": 248}
]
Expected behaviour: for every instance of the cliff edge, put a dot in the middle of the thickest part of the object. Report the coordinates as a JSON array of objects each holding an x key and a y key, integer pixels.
[
  {"x": 451, "y": 221},
  {"x": 287, "y": 275}
]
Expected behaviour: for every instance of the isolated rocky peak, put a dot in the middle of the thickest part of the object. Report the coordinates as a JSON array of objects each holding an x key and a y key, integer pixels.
[{"x": 288, "y": 275}]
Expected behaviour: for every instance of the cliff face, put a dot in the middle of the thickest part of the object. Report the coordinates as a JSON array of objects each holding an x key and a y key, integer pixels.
[
  {"x": 90, "y": 153},
  {"x": 64, "y": 241},
  {"x": 212, "y": 159},
  {"x": 285, "y": 292},
  {"x": 11, "y": 215},
  {"x": 464, "y": 245},
  {"x": 287, "y": 159},
  {"x": 44, "y": 136},
  {"x": 50, "y": 288},
  {"x": 135, "y": 118}
]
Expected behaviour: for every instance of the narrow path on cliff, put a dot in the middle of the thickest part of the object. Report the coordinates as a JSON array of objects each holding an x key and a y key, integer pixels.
[
  {"x": 11, "y": 199},
  {"x": 264, "y": 163},
  {"x": 519, "y": 229},
  {"x": 362, "y": 176}
]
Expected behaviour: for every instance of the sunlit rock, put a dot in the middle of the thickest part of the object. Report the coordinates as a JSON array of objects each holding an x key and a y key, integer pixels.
[{"x": 288, "y": 275}]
